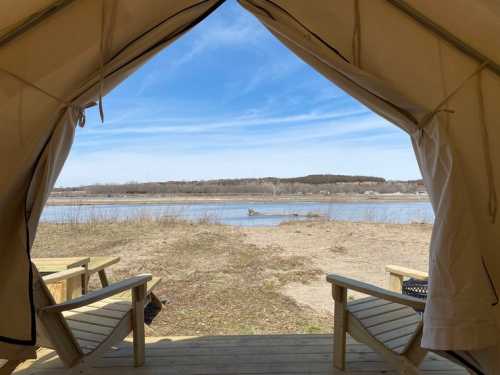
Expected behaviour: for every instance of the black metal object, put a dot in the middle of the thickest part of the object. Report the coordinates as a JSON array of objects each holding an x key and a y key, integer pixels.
[{"x": 415, "y": 288}]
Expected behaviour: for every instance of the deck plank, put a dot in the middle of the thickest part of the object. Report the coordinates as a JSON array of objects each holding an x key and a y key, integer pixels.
[{"x": 230, "y": 355}]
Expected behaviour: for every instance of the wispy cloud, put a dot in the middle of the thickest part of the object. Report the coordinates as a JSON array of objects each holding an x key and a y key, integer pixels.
[
  {"x": 226, "y": 32},
  {"x": 228, "y": 100},
  {"x": 175, "y": 125},
  {"x": 236, "y": 29},
  {"x": 274, "y": 71}
]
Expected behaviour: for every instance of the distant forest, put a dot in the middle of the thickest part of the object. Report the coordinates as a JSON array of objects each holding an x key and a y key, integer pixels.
[{"x": 313, "y": 184}]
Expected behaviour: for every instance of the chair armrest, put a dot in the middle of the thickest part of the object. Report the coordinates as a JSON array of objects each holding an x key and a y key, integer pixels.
[
  {"x": 375, "y": 291},
  {"x": 63, "y": 275},
  {"x": 99, "y": 294},
  {"x": 407, "y": 272}
]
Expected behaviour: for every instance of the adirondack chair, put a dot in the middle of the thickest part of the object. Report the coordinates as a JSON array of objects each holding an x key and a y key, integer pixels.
[
  {"x": 387, "y": 321},
  {"x": 83, "y": 328}
]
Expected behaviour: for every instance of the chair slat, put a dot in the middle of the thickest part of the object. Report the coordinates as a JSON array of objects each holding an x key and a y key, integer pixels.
[
  {"x": 378, "y": 310},
  {"x": 403, "y": 312},
  {"x": 97, "y": 311},
  {"x": 396, "y": 333},
  {"x": 362, "y": 300},
  {"x": 392, "y": 325},
  {"x": 367, "y": 305},
  {"x": 90, "y": 318},
  {"x": 113, "y": 304},
  {"x": 89, "y": 327},
  {"x": 399, "y": 343},
  {"x": 82, "y": 335},
  {"x": 87, "y": 346}
]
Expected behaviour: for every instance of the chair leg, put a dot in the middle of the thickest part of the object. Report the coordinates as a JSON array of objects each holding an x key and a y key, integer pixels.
[
  {"x": 340, "y": 327},
  {"x": 104, "y": 278},
  {"x": 138, "y": 299},
  {"x": 413, "y": 352}
]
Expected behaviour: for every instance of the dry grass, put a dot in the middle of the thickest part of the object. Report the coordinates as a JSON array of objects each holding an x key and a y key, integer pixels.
[
  {"x": 219, "y": 279},
  {"x": 213, "y": 281},
  {"x": 357, "y": 250}
]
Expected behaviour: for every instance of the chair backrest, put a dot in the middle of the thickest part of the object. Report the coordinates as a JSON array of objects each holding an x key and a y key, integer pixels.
[{"x": 52, "y": 330}]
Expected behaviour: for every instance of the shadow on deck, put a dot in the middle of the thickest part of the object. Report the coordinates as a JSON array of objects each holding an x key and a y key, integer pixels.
[{"x": 223, "y": 355}]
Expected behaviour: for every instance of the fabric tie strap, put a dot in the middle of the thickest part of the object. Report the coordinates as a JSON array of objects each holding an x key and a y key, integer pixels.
[
  {"x": 101, "y": 61},
  {"x": 492, "y": 198}
]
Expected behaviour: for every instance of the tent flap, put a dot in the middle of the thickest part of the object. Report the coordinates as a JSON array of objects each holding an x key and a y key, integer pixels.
[
  {"x": 42, "y": 96},
  {"x": 413, "y": 76}
]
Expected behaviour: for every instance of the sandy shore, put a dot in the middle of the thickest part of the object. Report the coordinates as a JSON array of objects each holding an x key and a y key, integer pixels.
[
  {"x": 219, "y": 279},
  {"x": 55, "y": 200}
]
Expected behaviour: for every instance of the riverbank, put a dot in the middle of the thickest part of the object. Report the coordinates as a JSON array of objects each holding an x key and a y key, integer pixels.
[
  {"x": 220, "y": 279},
  {"x": 64, "y": 200}
]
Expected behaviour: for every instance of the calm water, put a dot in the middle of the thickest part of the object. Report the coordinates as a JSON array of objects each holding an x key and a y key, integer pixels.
[{"x": 236, "y": 213}]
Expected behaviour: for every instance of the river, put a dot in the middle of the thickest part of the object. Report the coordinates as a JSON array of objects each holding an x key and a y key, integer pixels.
[{"x": 236, "y": 213}]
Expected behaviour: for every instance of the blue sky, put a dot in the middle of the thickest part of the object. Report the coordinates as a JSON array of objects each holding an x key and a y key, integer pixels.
[{"x": 228, "y": 100}]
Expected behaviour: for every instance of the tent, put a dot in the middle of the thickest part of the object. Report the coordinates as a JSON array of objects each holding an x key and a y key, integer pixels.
[{"x": 430, "y": 67}]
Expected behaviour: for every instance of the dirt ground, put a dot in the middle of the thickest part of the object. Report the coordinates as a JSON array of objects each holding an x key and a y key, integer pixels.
[{"x": 219, "y": 279}]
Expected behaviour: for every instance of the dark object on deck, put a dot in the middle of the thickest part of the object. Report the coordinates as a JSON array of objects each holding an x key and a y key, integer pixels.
[
  {"x": 415, "y": 288},
  {"x": 151, "y": 310}
]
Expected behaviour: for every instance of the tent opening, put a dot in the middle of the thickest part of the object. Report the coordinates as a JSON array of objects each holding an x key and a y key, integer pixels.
[
  {"x": 417, "y": 65},
  {"x": 230, "y": 118}
]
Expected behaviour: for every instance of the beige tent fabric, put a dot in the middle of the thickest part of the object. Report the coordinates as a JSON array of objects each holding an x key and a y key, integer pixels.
[
  {"x": 57, "y": 56},
  {"x": 48, "y": 74},
  {"x": 403, "y": 71}
]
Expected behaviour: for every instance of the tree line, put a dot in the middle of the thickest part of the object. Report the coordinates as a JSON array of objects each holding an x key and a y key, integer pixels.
[{"x": 311, "y": 184}]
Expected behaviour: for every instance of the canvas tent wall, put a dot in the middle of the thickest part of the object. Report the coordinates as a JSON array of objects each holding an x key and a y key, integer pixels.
[
  {"x": 53, "y": 58},
  {"x": 430, "y": 67}
]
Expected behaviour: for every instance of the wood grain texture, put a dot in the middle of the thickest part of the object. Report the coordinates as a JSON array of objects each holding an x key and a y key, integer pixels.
[
  {"x": 99, "y": 294},
  {"x": 229, "y": 355},
  {"x": 406, "y": 272},
  {"x": 375, "y": 291}
]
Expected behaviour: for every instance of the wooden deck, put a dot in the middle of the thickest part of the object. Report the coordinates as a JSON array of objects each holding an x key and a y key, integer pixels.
[{"x": 223, "y": 355}]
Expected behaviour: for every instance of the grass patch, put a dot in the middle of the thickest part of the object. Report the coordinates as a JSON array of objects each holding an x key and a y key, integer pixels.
[{"x": 213, "y": 281}]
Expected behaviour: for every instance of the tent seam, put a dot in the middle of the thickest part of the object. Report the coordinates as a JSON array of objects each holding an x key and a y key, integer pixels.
[
  {"x": 492, "y": 196},
  {"x": 443, "y": 79},
  {"x": 429, "y": 116},
  {"x": 80, "y": 109},
  {"x": 356, "y": 36},
  {"x": 101, "y": 60}
]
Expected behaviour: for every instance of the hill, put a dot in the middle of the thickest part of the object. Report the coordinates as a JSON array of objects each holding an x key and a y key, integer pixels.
[{"x": 325, "y": 184}]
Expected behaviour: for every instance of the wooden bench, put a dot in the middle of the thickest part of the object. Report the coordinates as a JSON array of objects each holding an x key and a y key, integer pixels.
[
  {"x": 68, "y": 289},
  {"x": 98, "y": 265},
  {"x": 64, "y": 289}
]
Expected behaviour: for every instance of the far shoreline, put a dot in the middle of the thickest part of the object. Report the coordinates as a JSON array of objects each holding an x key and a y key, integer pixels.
[{"x": 150, "y": 199}]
